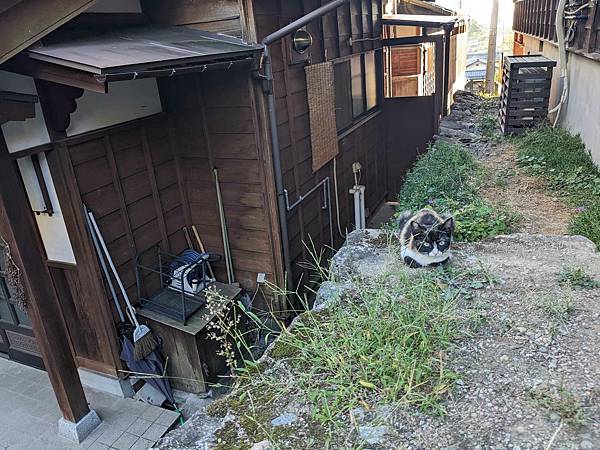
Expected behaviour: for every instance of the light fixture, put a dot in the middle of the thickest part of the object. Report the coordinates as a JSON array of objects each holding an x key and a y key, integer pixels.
[{"x": 301, "y": 41}]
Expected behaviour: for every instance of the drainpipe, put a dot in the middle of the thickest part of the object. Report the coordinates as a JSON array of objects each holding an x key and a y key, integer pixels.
[{"x": 276, "y": 150}]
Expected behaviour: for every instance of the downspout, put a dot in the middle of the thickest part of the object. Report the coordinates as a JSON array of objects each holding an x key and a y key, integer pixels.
[
  {"x": 276, "y": 150},
  {"x": 447, "y": 38}
]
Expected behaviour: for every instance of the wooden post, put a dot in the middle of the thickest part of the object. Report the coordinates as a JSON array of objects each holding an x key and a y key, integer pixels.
[
  {"x": 447, "y": 42},
  {"x": 491, "y": 58},
  {"x": 43, "y": 307}
]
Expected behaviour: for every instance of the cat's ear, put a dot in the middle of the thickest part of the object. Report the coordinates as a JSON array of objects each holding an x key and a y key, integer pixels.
[
  {"x": 416, "y": 227},
  {"x": 448, "y": 225}
]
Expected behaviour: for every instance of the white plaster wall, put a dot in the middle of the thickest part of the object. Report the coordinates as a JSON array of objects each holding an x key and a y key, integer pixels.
[
  {"x": 582, "y": 113},
  {"x": 125, "y": 100},
  {"x": 28, "y": 133},
  {"x": 53, "y": 230}
]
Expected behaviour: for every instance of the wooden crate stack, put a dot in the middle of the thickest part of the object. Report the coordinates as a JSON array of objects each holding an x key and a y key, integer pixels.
[{"x": 525, "y": 94}]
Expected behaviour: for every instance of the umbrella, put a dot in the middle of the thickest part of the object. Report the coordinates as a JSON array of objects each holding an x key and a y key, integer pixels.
[{"x": 151, "y": 365}]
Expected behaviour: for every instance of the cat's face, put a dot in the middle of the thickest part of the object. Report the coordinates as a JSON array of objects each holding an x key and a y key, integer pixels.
[{"x": 432, "y": 240}]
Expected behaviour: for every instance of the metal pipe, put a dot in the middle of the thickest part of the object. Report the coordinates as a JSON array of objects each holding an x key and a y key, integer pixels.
[
  {"x": 326, "y": 184},
  {"x": 301, "y": 198},
  {"x": 272, "y": 112},
  {"x": 302, "y": 21}
]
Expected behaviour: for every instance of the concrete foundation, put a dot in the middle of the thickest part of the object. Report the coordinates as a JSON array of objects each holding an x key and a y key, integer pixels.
[{"x": 77, "y": 432}]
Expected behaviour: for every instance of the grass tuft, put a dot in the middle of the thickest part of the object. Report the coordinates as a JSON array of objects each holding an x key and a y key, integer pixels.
[
  {"x": 447, "y": 178},
  {"x": 588, "y": 223},
  {"x": 560, "y": 401},
  {"x": 576, "y": 277}
]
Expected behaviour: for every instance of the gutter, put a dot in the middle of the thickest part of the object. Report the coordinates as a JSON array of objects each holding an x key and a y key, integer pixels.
[{"x": 276, "y": 150}]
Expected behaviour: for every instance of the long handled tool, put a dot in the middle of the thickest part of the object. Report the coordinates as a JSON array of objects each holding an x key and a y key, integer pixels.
[
  {"x": 202, "y": 249},
  {"x": 143, "y": 340},
  {"x": 113, "y": 293},
  {"x": 228, "y": 261}
]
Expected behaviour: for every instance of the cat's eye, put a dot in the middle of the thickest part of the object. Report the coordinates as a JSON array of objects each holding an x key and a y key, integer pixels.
[
  {"x": 442, "y": 243},
  {"x": 426, "y": 244}
]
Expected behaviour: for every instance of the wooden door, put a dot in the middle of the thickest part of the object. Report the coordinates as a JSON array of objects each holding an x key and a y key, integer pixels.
[{"x": 16, "y": 336}]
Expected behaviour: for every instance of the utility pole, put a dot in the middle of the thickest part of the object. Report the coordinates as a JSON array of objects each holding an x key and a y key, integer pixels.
[{"x": 491, "y": 59}]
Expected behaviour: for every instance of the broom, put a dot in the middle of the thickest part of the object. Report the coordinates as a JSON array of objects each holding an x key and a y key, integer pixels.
[{"x": 143, "y": 340}]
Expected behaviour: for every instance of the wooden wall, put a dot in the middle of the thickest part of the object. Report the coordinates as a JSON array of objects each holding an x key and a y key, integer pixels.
[
  {"x": 218, "y": 16},
  {"x": 364, "y": 143}
]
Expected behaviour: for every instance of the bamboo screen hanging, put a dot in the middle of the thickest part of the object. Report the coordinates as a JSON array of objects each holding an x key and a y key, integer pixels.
[{"x": 321, "y": 106}]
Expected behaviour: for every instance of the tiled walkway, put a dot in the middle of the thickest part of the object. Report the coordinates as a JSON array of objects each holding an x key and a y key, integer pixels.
[{"x": 29, "y": 415}]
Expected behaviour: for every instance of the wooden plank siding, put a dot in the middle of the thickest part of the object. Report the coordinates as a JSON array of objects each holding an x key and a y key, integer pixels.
[
  {"x": 309, "y": 223},
  {"x": 220, "y": 16},
  {"x": 127, "y": 176},
  {"x": 213, "y": 124},
  {"x": 537, "y": 18}
]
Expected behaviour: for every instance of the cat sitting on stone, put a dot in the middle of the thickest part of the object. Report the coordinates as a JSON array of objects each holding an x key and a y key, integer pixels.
[{"x": 425, "y": 238}]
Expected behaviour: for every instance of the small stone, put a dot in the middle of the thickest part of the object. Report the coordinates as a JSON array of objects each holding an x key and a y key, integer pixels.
[
  {"x": 585, "y": 444},
  {"x": 263, "y": 445},
  {"x": 284, "y": 419},
  {"x": 504, "y": 358},
  {"x": 372, "y": 435}
]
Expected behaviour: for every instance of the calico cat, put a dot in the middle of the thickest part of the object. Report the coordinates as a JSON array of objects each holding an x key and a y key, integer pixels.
[{"x": 425, "y": 238}]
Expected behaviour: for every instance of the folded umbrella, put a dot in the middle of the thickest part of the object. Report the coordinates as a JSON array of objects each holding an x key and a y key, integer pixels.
[{"x": 152, "y": 365}]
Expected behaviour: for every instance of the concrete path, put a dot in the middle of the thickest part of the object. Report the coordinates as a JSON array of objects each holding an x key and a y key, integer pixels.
[{"x": 29, "y": 415}]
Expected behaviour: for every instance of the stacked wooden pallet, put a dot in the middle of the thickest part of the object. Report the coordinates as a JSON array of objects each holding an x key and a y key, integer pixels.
[{"x": 525, "y": 94}]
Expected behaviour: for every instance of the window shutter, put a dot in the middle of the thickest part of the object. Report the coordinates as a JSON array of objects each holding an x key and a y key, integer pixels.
[{"x": 321, "y": 106}]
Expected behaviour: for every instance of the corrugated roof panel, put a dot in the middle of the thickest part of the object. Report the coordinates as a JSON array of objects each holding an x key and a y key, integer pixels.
[{"x": 142, "y": 47}]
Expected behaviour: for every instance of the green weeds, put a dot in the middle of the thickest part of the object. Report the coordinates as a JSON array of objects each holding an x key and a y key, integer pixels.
[
  {"x": 576, "y": 277},
  {"x": 384, "y": 343},
  {"x": 563, "y": 161},
  {"x": 448, "y": 179},
  {"x": 559, "y": 401}
]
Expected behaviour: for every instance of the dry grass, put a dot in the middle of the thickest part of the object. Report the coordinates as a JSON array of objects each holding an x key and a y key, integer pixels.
[{"x": 508, "y": 183}]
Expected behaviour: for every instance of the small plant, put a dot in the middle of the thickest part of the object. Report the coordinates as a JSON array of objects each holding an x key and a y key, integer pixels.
[
  {"x": 577, "y": 278},
  {"x": 559, "y": 307},
  {"x": 559, "y": 401},
  {"x": 488, "y": 125},
  {"x": 588, "y": 224}
]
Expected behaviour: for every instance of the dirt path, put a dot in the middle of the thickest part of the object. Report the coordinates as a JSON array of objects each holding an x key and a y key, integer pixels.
[
  {"x": 508, "y": 184},
  {"x": 472, "y": 123}
]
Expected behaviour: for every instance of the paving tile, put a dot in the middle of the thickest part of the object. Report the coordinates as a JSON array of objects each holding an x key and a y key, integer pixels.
[
  {"x": 155, "y": 432},
  {"x": 94, "y": 435},
  {"x": 125, "y": 442},
  {"x": 142, "y": 444},
  {"x": 121, "y": 420},
  {"x": 152, "y": 413},
  {"x": 167, "y": 418},
  {"x": 98, "y": 446},
  {"x": 109, "y": 436},
  {"x": 139, "y": 427}
]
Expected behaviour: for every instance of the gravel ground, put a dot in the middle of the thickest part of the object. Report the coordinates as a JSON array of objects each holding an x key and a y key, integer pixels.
[{"x": 528, "y": 378}]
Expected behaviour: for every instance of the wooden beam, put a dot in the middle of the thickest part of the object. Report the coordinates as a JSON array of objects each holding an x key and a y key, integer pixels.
[
  {"x": 43, "y": 306},
  {"x": 57, "y": 74},
  {"x": 16, "y": 111},
  {"x": 40, "y": 16}
]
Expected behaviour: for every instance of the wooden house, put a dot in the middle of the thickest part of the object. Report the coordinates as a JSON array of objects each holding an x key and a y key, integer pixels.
[
  {"x": 163, "y": 115},
  {"x": 410, "y": 68}
]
